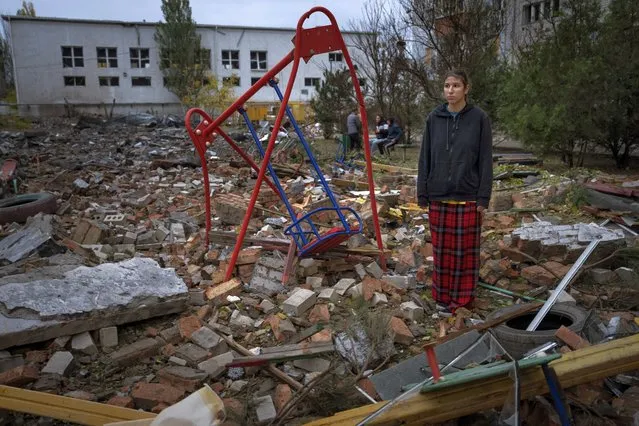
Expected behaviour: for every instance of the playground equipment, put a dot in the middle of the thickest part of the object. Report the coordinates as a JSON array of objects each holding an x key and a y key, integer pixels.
[{"x": 306, "y": 237}]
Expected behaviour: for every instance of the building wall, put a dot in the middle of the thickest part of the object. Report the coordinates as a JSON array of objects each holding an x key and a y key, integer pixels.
[{"x": 38, "y": 62}]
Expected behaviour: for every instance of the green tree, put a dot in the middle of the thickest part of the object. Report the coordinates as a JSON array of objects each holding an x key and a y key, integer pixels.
[
  {"x": 333, "y": 101},
  {"x": 27, "y": 9},
  {"x": 618, "y": 114},
  {"x": 184, "y": 63},
  {"x": 550, "y": 94}
]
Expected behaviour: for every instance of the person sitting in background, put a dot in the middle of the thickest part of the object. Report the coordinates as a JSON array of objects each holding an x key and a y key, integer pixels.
[
  {"x": 394, "y": 133},
  {"x": 381, "y": 128}
]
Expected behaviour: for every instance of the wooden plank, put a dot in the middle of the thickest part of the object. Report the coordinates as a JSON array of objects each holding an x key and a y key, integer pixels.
[
  {"x": 388, "y": 168},
  {"x": 581, "y": 366},
  {"x": 65, "y": 408},
  {"x": 350, "y": 184},
  {"x": 283, "y": 353}
]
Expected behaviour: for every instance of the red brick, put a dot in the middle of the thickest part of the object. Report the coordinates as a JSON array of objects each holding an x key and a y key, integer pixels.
[
  {"x": 121, "y": 401},
  {"x": 406, "y": 256},
  {"x": 538, "y": 275},
  {"x": 151, "y": 332},
  {"x": 401, "y": 331},
  {"x": 572, "y": 339},
  {"x": 323, "y": 336},
  {"x": 149, "y": 395},
  {"x": 283, "y": 395},
  {"x": 188, "y": 326},
  {"x": 159, "y": 408},
  {"x": 182, "y": 378},
  {"x": 19, "y": 376},
  {"x": 370, "y": 285},
  {"x": 38, "y": 357},
  {"x": 220, "y": 291},
  {"x": 319, "y": 313},
  {"x": 248, "y": 255},
  {"x": 168, "y": 350},
  {"x": 236, "y": 409},
  {"x": 368, "y": 387}
]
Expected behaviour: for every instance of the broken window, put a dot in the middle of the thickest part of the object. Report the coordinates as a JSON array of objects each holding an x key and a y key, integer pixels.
[
  {"x": 233, "y": 80},
  {"x": 204, "y": 59},
  {"x": 547, "y": 9},
  {"x": 536, "y": 12},
  {"x": 335, "y": 57},
  {"x": 72, "y": 57},
  {"x": 555, "y": 6},
  {"x": 140, "y": 81},
  {"x": 311, "y": 82},
  {"x": 107, "y": 57},
  {"x": 74, "y": 81},
  {"x": 139, "y": 57},
  {"x": 109, "y": 81},
  {"x": 231, "y": 59},
  {"x": 258, "y": 60},
  {"x": 526, "y": 14}
]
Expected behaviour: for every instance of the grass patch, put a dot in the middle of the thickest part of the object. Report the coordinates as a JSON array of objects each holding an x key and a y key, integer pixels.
[{"x": 14, "y": 122}]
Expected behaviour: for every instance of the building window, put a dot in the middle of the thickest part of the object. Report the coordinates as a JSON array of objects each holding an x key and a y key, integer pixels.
[
  {"x": 109, "y": 81},
  {"x": 107, "y": 57},
  {"x": 139, "y": 57},
  {"x": 311, "y": 82},
  {"x": 231, "y": 59},
  {"x": 254, "y": 80},
  {"x": 535, "y": 11},
  {"x": 72, "y": 57},
  {"x": 205, "y": 59},
  {"x": 233, "y": 80},
  {"x": 258, "y": 60},
  {"x": 140, "y": 81},
  {"x": 74, "y": 81},
  {"x": 335, "y": 57}
]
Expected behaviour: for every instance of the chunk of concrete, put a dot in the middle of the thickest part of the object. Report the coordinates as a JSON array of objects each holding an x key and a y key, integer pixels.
[
  {"x": 312, "y": 364},
  {"x": 83, "y": 343},
  {"x": 34, "y": 234},
  {"x": 329, "y": 294},
  {"x": 264, "y": 409},
  {"x": 60, "y": 301},
  {"x": 602, "y": 276},
  {"x": 299, "y": 302},
  {"x": 412, "y": 311},
  {"x": 374, "y": 270},
  {"x": 206, "y": 338},
  {"x": 401, "y": 281},
  {"x": 108, "y": 337},
  {"x": 628, "y": 276},
  {"x": 343, "y": 285},
  {"x": 217, "y": 365},
  {"x": 61, "y": 363}
]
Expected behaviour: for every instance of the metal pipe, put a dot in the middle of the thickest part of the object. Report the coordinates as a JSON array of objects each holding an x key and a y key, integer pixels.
[
  {"x": 366, "y": 395},
  {"x": 563, "y": 284},
  {"x": 419, "y": 385},
  {"x": 508, "y": 292}
]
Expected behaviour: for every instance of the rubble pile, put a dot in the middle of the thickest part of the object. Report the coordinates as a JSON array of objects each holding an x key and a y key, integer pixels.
[{"x": 116, "y": 298}]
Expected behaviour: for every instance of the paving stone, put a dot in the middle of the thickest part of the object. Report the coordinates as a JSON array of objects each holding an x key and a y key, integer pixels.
[
  {"x": 193, "y": 354},
  {"x": 329, "y": 294},
  {"x": 171, "y": 335},
  {"x": 315, "y": 282},
  {"x": 401, "y": 281},
  {"x": 215, "y": 366},
  {"x": 108, "y": 337},
  {"x": 84, "y": 343},
  {"x": 300, "y": 301},
  {"x": 343, "y": 285},
  {"x": 130, "y": 354},
  {"x": 412, "y": 311},
  {"x": 264, "y": 409},
  {"x": 374, "y": 270},
  {"x": 148, "y": 395},
  {"x": 182, "y": 377},
  {"x": 206, "y": 338},
  {"x": 60, "y": 363}
]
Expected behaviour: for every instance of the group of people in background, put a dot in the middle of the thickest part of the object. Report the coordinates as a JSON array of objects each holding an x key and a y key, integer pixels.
[{"x": 387, "y": 132}]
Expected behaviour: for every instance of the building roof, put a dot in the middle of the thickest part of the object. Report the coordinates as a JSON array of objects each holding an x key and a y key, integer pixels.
[{"x": 145, "y": 24}]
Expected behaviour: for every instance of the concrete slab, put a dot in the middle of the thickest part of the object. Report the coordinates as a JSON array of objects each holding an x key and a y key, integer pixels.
[{"x": 66, "y": 302}]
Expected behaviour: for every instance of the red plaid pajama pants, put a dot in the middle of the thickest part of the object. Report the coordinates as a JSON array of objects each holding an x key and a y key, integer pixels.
[{"x": 455, "y": 232}]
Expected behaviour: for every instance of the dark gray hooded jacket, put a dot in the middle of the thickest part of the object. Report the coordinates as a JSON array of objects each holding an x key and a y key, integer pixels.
[{"x": 456, "y": 160}]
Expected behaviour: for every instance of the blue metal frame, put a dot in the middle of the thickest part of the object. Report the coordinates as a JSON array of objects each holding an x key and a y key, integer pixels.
[{"x": 295, "y": 229}]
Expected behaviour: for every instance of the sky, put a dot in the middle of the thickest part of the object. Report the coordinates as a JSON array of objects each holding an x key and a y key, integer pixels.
[{"x": 251, "y": 13}]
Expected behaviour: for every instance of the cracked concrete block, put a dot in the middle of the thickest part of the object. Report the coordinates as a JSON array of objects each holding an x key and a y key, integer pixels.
[
  {"x": 374, "y": 270},
  {"x": 315, "y": 282},
  {"x": 178, "y": 234},
  {"x": 329, "y": 294},
  {"x": 299, "y": 302},
  {"x": 264, "y": 409},
  {"x": 401, "y": 281},
  {"x": 360, "y": 271},
  {"x": 94, "y": 297},
  {"x": 412, "y": 311},
  {"x": 83, "y": 343},
  {"x": 217, "y": 365},
  {"x": 61, "y": 363},
  {"x": 378, "y": 298},
  {"x": 206, "y": 338},
  {"x": 343, "y": 285},
  {"x": 108, "y": 337}
]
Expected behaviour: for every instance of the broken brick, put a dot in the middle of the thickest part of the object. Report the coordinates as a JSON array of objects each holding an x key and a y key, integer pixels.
[
  {"x": 19, "y": 376},
  {"x": 148, "y": 395},
  {"x": 220, "y": 291},
  {"x": 283, "y": 395},
  {"x": 188, "y": 325},
  {"x": 182, "y": 377},
  {"x": 319, "y": 313},
  {"x": 572, "y": 339},
  {"x": 121, "y": 401},
  {"x": 401, "y": 332}
]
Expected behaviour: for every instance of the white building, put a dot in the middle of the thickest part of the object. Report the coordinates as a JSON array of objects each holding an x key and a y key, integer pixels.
[{"x": 93, "y": 65}]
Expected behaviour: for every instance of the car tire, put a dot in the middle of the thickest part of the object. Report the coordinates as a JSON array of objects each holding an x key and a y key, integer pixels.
[
  {"x": 20, "y": 207},
  {"x": 512, "y": 334}
]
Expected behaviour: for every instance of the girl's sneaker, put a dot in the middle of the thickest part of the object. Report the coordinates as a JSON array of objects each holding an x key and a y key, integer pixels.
[{"x": 443, "y": 310}]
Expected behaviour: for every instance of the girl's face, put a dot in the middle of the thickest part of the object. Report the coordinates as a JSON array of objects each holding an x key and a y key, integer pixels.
[
  {"x": 377, "y": 118},
  {"x": 454, "y": 90}
]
